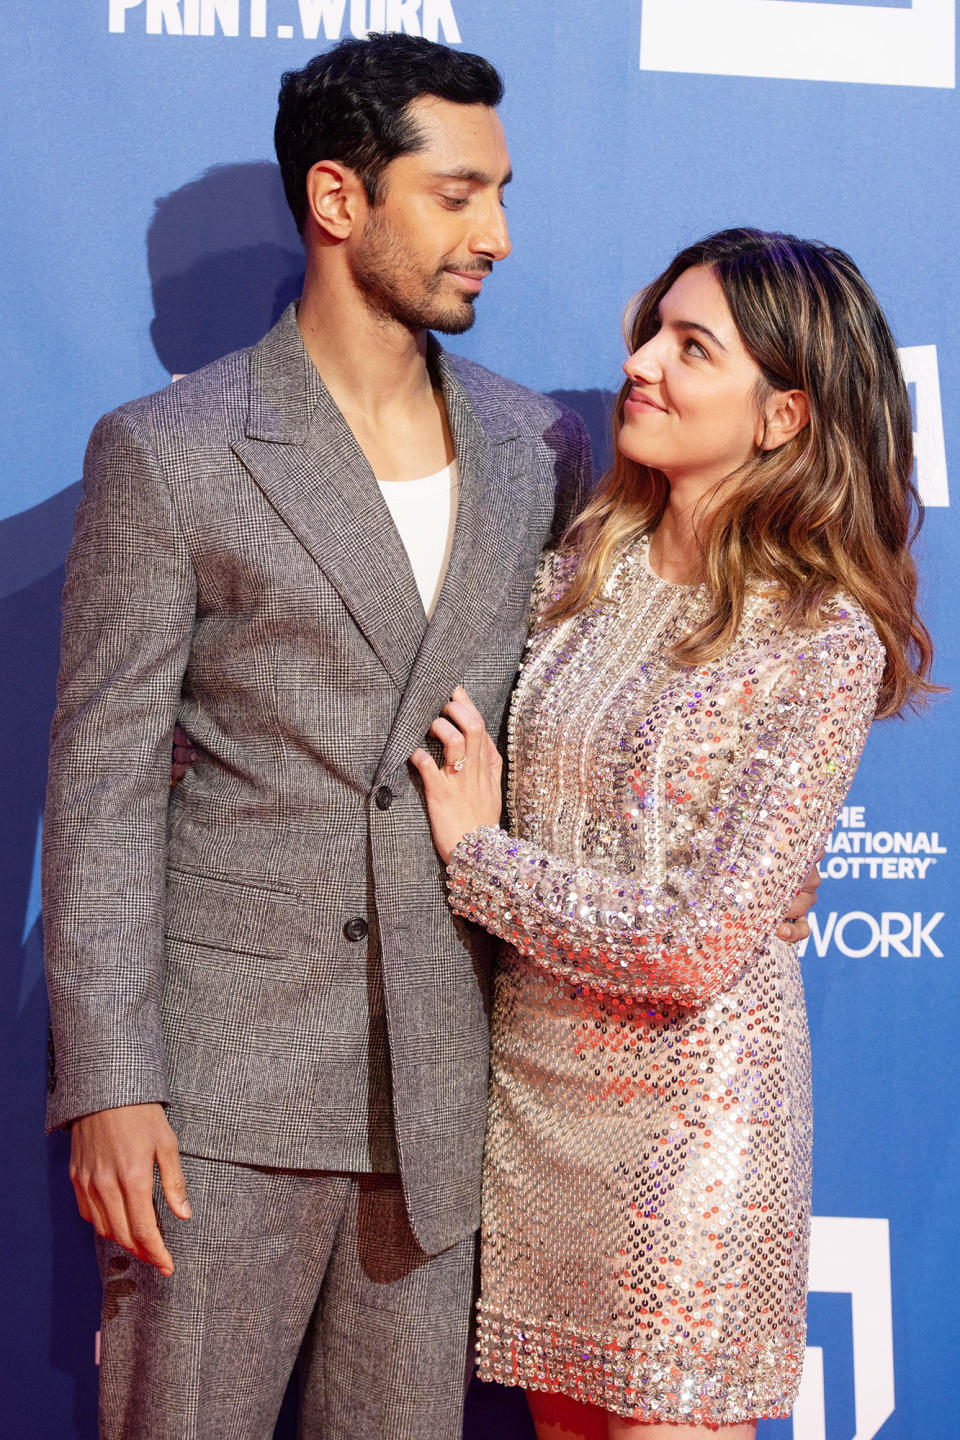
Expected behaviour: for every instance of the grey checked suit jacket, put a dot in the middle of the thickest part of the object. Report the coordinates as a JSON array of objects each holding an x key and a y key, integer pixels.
[{"x": 234, "y": 567}]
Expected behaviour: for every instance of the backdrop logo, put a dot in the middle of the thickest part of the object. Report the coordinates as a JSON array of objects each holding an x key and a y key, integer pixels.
[
  {"x": 856, "y": 852},
  {"x": 920, "y": 370},
  {"x": 312, "y": 19},
  {"x": 857, "y": 934},
  {"x": 797, "y": 40},
  {"x": 852, "y": 1256}
]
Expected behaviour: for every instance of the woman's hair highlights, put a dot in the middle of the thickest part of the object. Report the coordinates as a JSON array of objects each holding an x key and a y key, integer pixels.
[{"x": 834, "y": 508}]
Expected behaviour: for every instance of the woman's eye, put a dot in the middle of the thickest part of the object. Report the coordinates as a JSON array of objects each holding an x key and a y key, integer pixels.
[{"x": 693, "y": 347}]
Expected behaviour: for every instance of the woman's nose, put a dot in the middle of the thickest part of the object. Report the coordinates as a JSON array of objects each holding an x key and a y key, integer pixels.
[{"x": 642, "y": 365}]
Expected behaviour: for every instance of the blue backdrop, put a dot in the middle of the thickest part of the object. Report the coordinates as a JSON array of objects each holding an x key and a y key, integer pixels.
[{"x": 144, "y": 233}]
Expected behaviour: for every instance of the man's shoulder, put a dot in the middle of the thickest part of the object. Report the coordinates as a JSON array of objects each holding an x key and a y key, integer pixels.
[
  {"x": 206, "y": 406},
  {"x": 501, "y": 403}
]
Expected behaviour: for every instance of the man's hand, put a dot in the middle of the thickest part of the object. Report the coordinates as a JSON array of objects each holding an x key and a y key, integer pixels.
[
  {"x": 794, "y": 926},
  {"x": 182, "y": 757},
  {"x": 111, "y": 1165}
]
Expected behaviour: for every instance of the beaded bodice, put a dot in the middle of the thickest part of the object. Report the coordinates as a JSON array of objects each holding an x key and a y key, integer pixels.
[{"x": 663, "y": 816}]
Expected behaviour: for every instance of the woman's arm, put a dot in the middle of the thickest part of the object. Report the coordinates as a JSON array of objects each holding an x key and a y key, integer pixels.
[{"x": 689, "y": 940}]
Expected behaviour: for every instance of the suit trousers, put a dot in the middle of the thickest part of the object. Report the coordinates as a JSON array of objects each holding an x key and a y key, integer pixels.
[{"x": 277, "y": 1269}]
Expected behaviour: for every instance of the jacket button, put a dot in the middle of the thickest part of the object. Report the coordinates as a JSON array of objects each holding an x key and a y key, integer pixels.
[
  {"x": 383, "y": 798},
  {"x": 355, "y": 929}
]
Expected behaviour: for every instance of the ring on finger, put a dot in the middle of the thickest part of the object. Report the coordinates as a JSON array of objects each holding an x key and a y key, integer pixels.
[{"x": 457, "y": 765}]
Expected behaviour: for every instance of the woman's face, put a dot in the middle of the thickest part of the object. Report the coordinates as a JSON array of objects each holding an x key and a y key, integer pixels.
[{"x": 692, "y": 410}]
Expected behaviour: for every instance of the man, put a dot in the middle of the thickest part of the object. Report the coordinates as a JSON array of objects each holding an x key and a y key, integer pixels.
[{"x": 260, "y": 991}]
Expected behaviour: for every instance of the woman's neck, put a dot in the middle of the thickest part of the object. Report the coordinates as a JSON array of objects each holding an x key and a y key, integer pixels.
[{"x": 675, "y": 553}]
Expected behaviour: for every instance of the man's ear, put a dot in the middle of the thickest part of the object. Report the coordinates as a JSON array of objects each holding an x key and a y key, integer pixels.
[
  {"x": 785, "y": 413},
  {"x": 336, "y": 199}
]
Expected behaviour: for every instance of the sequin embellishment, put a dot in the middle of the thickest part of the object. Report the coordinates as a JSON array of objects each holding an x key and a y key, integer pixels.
[{"x": 647, "y": 1168}]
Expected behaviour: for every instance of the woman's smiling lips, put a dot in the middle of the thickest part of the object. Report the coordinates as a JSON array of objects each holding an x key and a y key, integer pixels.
[{"x": 637, "y": 400}]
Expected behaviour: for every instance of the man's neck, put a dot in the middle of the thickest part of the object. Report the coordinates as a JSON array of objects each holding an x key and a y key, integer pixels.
[
  {"x": 376, "y": 372},
  {"x": 370, "y": 365}
]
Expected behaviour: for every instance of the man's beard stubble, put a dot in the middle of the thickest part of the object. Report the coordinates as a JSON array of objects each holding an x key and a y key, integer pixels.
[{"x": 395, "y": 290}]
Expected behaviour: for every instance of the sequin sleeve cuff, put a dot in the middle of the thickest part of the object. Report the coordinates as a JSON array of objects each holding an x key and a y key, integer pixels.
[{"x": 583, "y": 927}]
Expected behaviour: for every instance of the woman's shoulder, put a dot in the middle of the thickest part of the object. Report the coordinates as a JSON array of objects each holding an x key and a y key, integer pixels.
[
  {"x": 845, "y": 618},
  {"x": 842, "y": 633}
]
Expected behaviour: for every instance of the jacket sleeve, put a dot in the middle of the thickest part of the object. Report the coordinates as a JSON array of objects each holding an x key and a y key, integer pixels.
[
  {"x": 128, "y": 614},
  {"x": 574, "y": 472},
  {"x": 689, "y": 940}
]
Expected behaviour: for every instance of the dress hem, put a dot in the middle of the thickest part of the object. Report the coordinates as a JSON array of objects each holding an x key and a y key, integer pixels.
[{"x": 670, "y": 1385}]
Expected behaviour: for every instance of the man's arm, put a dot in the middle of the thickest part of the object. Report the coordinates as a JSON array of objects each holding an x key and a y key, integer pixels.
[{"x": 128, "y": 613}]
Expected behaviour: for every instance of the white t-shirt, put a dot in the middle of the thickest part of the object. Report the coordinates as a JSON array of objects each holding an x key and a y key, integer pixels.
[{"x": 425, "y": 513}]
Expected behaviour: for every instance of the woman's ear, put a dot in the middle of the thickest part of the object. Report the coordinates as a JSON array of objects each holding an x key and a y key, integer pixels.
[
  {"x": 785, "y": 413},
  {"x": 334, "y": 199}
]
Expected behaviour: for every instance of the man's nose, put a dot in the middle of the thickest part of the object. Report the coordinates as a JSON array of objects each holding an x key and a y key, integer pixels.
[{"x": 492, "y": 236}]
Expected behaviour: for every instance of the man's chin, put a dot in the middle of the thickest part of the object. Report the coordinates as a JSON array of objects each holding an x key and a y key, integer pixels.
[{"x": 453, "y": 321}]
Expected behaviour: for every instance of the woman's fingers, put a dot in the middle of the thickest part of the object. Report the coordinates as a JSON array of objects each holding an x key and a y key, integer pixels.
[
  {"x": 462, "y": 732},
  {"x": 461, "y": 710},
  {"x": 460, "y": 729},
  {"x": 453, "y": 740},
  {"x": 427, "y": 768},
  {"x": 493, "y": 756}
]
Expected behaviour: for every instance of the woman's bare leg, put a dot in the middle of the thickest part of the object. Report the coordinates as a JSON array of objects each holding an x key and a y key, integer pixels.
[
  {"x": 636, "y": 1430},
  {"x": 557, "y": 1417}
]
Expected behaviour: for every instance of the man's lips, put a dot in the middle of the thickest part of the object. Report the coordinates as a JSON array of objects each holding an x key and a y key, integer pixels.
[
  {"x": 637, "y": 400},
  {"x": 471, "y": 279}
]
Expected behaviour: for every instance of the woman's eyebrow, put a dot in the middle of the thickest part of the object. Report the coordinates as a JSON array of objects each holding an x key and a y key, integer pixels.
[{"x": 701, "y": 329}]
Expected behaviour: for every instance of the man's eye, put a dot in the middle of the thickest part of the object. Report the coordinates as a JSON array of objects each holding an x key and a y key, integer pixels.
[{"x": 455, "y": 202}]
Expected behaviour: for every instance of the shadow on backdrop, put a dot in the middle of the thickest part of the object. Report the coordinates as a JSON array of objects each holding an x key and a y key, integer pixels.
[
  {"x": 49, "y": 1384},
  {"x": 224, "y": 260},
  {"x": 595, "y": 408}
]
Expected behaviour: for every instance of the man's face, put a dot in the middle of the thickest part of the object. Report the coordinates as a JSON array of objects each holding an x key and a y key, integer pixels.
[{"x": 439, "y": 225}]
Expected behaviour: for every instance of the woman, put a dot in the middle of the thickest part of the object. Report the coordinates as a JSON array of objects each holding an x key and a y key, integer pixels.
[{"x": 709, "y": 648}]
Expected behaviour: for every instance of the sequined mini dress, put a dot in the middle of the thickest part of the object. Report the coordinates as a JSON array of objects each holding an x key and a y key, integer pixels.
[{"x": 647, "y": 1170}]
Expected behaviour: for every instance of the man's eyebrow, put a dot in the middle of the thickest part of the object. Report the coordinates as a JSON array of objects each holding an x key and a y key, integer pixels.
[
  {"x": 479, "y": 177},
  {"x": 695, "y": 325}
]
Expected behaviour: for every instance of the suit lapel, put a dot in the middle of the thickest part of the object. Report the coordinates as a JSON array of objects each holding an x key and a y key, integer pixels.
[
  {"x": 302, "y": 454},
  {"x": 491, "y": 517},
  {"x": 304, "y": 457}
]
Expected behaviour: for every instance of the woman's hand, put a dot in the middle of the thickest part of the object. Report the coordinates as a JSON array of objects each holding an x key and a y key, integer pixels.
[{"x": 466, "y": 792}]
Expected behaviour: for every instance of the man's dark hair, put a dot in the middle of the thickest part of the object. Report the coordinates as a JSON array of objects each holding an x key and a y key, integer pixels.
[{"x": 350, "y": 104}]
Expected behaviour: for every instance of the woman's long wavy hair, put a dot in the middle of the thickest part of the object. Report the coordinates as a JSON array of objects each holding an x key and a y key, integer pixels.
[{"x": 834, "y": 508}]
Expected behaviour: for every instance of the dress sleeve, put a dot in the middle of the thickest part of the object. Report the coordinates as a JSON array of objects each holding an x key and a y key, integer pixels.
[{"x": 690, "y": 938}]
